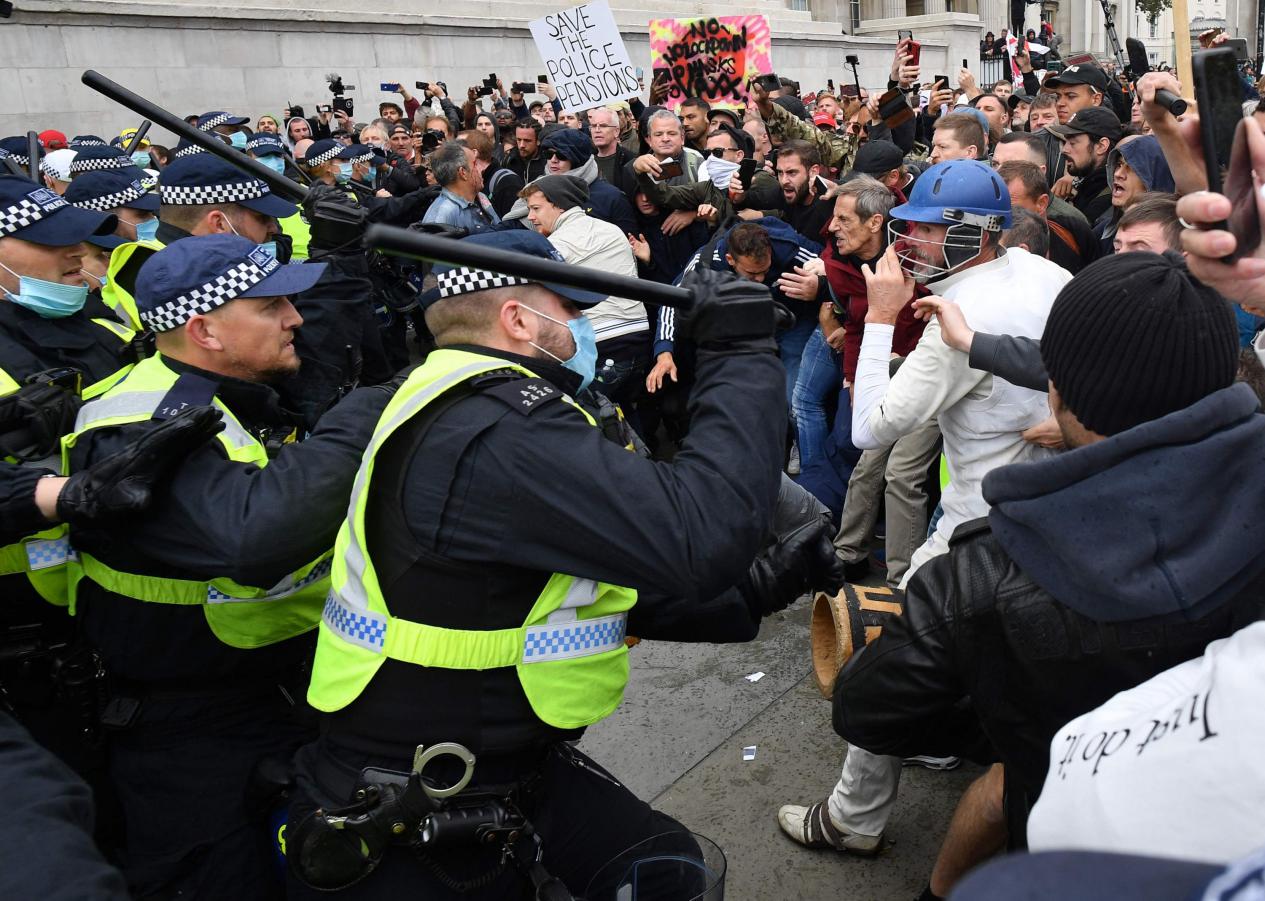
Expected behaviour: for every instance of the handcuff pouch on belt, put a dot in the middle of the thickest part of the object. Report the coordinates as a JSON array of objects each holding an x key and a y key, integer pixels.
[{"x": 332, "y": 849}]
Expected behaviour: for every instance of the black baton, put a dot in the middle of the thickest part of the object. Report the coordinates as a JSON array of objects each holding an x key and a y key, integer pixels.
[
  {"x": 279, "y": 184},
  {"x": 33, "y": 152},
  {"x": 138, "y": 137},
  {"x": 403, "y": 242}
]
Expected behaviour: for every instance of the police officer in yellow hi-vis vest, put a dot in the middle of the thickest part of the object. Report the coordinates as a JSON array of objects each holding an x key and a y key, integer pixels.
[
  {"x": 497, "y": 551},
  {"x": 204, "y": 609}
]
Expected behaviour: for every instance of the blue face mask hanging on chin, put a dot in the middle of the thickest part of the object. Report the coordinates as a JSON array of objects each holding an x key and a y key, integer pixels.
[
  {"x": 584, "y": 361},
  {"x": 50, "y": 300}
]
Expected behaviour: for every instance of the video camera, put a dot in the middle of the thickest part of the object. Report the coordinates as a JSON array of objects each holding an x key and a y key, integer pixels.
[
  {"x": 432, "y": 139},
  {"x": 337, "y": 88}
]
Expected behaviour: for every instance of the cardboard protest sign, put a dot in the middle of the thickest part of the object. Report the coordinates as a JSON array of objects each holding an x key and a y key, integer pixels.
[
  {"x": 585, "y": 56},
  {"x": 712, "y": 58}
]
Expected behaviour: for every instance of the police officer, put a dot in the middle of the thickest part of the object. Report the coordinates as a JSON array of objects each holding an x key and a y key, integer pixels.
[
  {"x": 497, "y": 551},
  {"x": 295, "y": 233},
  {"x": 100, "y": 158},
  {"x": 231, "y": 129},
  {"x": 202, "y": 610}
]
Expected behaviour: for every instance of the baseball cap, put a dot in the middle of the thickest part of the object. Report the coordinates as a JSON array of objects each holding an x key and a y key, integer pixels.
[
  {"x": 361, "y": 153},
  {"x": 716, "y": 112},
  {"x": 265, "y": 144},
  {"x": 16, "y": 146},
  {"x": 42, "y": 216},
  {"x": 125, "y": 137},
  {"x": 877, "y": 158},
  {"x": 215, "y": 119},
  {"x": 1083, "y": 73},
  {"x": 99, "y": 159},
  {"x": 821, "y": 119},
  {"x": 56, "y": 163},
  {"x": 204, "y": 178},
  {"x": 196, "y": 275},
  {"x": 107, "y": 190},
  {"x": 1097, "y": 121},
  {"x": 1015, "y": 99},
  {"x": 52, "y": 139},
  {"x": 453, "y": 281},
  {"x": 323, "y": 151}
]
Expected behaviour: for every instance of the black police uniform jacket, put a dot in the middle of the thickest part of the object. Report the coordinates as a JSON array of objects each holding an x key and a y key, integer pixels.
[
  {"x": 473, "y": 506},
  {"x": 1103, "y": 567}
]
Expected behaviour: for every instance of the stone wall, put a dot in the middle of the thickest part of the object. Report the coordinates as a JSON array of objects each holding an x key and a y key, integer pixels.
[{"x": 193, "y": 57}]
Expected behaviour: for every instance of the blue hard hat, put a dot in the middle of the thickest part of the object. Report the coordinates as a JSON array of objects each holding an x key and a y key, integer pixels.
[
  {"x": 454, "y": 281},
  {"x": 196, "y": 275},
  {"x": 204, "y": 178},
  {"x": 110, "y": 189},
  {"x": 265, "y": 144},
  {"x": 956, "y": 187},
  {"x": 34, "y": 213}
]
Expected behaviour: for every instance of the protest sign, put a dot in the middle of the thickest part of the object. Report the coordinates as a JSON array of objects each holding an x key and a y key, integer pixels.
[
  {"x": 712, "y": 58},
  {"x": 585, "y": 56}
]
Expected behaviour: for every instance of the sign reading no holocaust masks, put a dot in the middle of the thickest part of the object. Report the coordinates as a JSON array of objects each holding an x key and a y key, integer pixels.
[{"x": 585, "y": 57}]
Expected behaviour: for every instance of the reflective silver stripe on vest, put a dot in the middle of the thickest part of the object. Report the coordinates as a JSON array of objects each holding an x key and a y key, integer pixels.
[
  {"x": 581, "y": 638},
  {"x": 353, "y": 596},
  {"x": 45, "y": 553},
  {"x": 283, "y": 589},
  {"x": 138, "y": 403},
  {"x": 547, "y": 642}
]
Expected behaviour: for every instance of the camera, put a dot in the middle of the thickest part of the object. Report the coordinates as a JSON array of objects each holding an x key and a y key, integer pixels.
[
  {"x": 432, "y": 139},
  {"x": 852, "y": 59},
  {"x": 337, "y": 88},
  {"x": 523, "y": 87}
]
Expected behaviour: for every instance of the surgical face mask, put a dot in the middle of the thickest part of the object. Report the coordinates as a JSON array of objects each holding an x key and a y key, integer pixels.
[
  {"x": 51, "y": 300},
  {"x": 147, "y": 230},
  {"x": 141, "y": 159},
  {"x": 270, "y": 248},
  {"x": 344, "y": 173},
  {"x": 275, "y": 163},
  {"x": 584, "y": 361},
  {"x": 238, "y": 140},
  {"x": 101, "y": 280},
  {"x": 369, "y": 177}
]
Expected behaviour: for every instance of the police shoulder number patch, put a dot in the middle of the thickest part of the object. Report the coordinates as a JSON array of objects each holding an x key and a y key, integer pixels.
[{"x": 525, "y": 395}]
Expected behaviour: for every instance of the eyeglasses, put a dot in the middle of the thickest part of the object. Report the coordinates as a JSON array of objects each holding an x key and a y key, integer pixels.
[{"x": 553, "y": 155}]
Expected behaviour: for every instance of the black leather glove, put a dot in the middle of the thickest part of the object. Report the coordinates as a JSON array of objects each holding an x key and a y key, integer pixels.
[
  {"x": 727, "y": 311},
  {"x": 33, "y": 419},
  {"x": 124, "y": 482},
  {"x": 800, "y": 561}
]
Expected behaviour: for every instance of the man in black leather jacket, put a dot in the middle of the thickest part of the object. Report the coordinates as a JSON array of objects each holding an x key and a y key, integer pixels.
[{"x": 1095, "y": 569}]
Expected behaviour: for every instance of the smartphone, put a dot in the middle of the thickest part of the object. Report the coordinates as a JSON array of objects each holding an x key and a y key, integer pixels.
[
  {"x": 1244, "y": 222},
  {"x": 323, "y": 108},
  {"x": 542, "y": 79},
  {"x": 523, "y": 87},
  {"x": 965, "y": 64},
  {"x": 484, "y": 91},
  {"x": 669, "y": 168},
  {"x": 344, "y": 105},
  {"x": 641, "y": 73},
  {"x": 915, "y": 50},
  {"x": 746, "y": 172},
  {"x": 422, "y": 85},
  {"x": 389, "y": 86},
  {"x": 1239, "y": 46},
  {"x": 830, "y": 83},
  {"x": 822, "y": 186},
  {"x": 1219, "y": 93},
  {"x": 769, "y": 83}
]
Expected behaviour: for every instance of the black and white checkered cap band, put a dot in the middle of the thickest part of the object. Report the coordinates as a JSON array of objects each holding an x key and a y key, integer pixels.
[
  {"x": 205, "y": 298},
  {"x": 212, "y": 123},
  {"x": 25, "y": 212},
  {"x": 107, "y": 202},
  {"x": 324, "y": 157},
  {"x": 262, "y": 142},
  {"x": 90, "y": 142},
  {"x": 363, "y": 158},
  {"x": 20, "y": 158},
  {"x": 466, "y": 281},
  {"x": 199, "y": 195},
  {"x": 79, "y": 165},
  {"x": 189, "y": 151}
]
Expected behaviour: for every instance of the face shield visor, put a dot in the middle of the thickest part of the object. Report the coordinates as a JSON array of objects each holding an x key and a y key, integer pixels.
[{"x": 926, "y": 260}]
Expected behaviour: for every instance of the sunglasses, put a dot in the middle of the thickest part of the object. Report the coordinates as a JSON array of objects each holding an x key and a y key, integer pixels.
[
  {"x": 554, "y": 155},
  {"x": 721, "y": 151}
]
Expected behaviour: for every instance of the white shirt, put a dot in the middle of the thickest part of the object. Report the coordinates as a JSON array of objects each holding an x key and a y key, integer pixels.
[
  {"x": 981, "y": 418},
  {"x": 1171, "y": 768}
]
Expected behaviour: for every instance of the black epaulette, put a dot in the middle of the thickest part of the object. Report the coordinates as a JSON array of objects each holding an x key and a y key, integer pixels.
[
  {"x": 968, "y": 530},
  {"x": 521, "y": 393},
  {"x": 190, "y": 390}
]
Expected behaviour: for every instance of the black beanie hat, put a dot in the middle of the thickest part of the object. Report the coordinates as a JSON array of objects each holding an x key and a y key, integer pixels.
[
  {"x": 1133, "y": 338},
  {"x": 563, "y": 191}
]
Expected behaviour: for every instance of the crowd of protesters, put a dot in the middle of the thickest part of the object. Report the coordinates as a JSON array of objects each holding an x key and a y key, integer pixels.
[{"x": 1022, "y": 376}]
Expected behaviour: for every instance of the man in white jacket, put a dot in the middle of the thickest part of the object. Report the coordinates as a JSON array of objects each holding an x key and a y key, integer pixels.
[
  {"x": 950, "y": 239},
  {"x": 555, "y": 208}
]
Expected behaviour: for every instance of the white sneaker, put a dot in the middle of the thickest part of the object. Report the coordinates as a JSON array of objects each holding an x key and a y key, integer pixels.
[
  {"x": 813, "y": 827},
  {"x": 792, "y": 464},
  {"x": 933, "y": 763}
]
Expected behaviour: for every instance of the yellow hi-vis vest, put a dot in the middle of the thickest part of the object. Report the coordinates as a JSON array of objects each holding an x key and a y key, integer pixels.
[
  {"x": 569, "y": 652},
  {"x": 43, "y": 556},
  {"x": 114, "y": 295},
  {"x": 238, "y": 615}
]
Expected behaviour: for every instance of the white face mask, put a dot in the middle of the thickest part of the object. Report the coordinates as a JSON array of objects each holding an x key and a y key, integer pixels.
[{"x": 719, "y": 171}]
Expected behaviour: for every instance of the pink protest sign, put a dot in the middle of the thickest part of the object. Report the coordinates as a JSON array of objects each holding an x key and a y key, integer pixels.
[{"x": 712, "y": 58}]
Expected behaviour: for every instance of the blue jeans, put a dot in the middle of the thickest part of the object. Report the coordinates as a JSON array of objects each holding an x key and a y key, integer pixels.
[
  {"x": 790, "y": 347},
  {"x": 820, "y": 376},
  {"x": 826, "y": 477}
]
